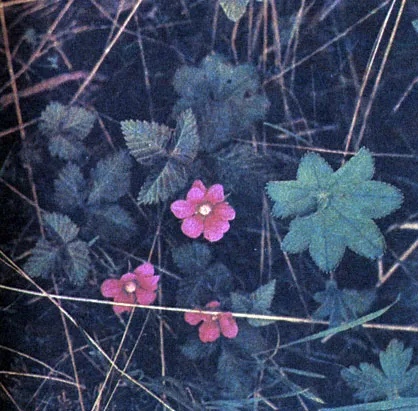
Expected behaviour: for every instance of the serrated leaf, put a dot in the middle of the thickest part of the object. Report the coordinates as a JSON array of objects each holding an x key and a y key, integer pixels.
[
  {"x": 61, "y": 227},
  {"x": 112, "y": 223},
  {"x": 192, "y": 258},
  {"x": 146, "y": 141},
  {"x": 65, "y": 121},
  {"x": 234, "y": 9},
  {"x": 194, "y": 350},
  {"x": 225, "y": 99},
  {"x": 341, "y": 305},
  {"x": 334, "y": 210},
  {"x": 69, "y": 188},
  {"x": 66, "y": 148},
  {"x": 66, "y": 127},
  {"x": 394, "y": 382},
  {"x": 258, "y": 302},
  {"x": 187, "y": 139},
  {"x": 43, "y": 259},
  {"x": 77, "y": 261},
  {"x": 111, "y": 178},
  {"x": 164, "y": 184}
]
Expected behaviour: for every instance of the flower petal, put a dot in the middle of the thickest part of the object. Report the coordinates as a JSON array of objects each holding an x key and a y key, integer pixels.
[
  {"x": 128, "y": 277},
  {"x": 214, "y": 228},
  {"x": 195, "y": 195},
  {"x": 182, "y": 209},
  {"x": 122, "y": 297},
  {"x": 213, "y": 304},
  {"x": 209, "y": 331},
  {"x": 215, "y": 194},
  {"x": 224, "y": 211},
  {"x": 229, "y": 327},
  {"x": 192, "y": 226},
  {"x": 193, "y": 318},
  {"x": 144, "y": 270},
  {"x": 199, "y": 184},
  {"x": 145, "y": 297},
  {"x": 149, "y": 283},
  {"x": 111, "y": 288}
]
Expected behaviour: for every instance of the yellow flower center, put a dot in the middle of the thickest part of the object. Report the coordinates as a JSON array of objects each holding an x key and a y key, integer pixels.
[
  {"x": 130, "y": 287},
  {"x": 205, "y": 209}
]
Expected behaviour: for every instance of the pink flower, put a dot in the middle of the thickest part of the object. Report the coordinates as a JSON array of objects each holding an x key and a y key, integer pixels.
[
  {"x": 204, "y": 211},
  {"x": 132, "y": 288},
  {"x": 213, "y": 325}
]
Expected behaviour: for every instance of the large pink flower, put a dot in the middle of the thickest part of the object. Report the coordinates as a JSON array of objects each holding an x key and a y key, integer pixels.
[
  {"x": 132, "y": 288},
  {"x": 213, "y": 324},
  {"x": 204, "y": 211}
]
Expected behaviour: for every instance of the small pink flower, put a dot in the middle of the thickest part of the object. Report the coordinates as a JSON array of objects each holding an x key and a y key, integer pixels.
[
  {"x": 132, "y": 288},
  {"x": 204, "y": 211},
  {"x": 213, "y": 324}
]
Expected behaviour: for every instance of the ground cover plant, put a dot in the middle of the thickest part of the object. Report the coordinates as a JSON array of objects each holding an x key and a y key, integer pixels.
[{"x": 208, "y": 205}]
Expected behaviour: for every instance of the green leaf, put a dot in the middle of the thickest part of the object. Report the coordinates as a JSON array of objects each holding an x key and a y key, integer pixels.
[
  {"x": 187, "y": 138},
  {"x": 341, "y": 305},
  {"x": 111, "y": 178},
  {"x": 43, "y": 259},
  {"x": 66, "y": 127},
  {"x": 70, "y": 188},
  {"x": 61, "y": 227},
  {"x": 77, "y": 262},
  {"x": 225, "y": 99},
  {"x": 146, "y": 141},
  {"x": 258, "y": 302},
  {"x": 112, "y": 223},
  {"x": 194, "y": 350},
  {"x": 234, "y": 9},
  {"x": 192, "y": 258},
  {"x": 334, "y": 210},
  {"x": 394, "y": 382}
]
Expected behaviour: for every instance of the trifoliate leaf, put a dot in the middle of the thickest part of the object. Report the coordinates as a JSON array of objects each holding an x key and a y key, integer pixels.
[
  {"x": 334, "y": 210},
  {"x": 111, "y": 178},
  {"x": 225, "y": 99},
  {"x": 61, "y": 227},
  {"x": 77, "y": 261},
  {"x": 258, "y": 302},
  {"x": 342, "y": 305},
  {"x": 394, "y": 382},
  {"x": 192, "y": 258},
  {"x": 43, "y": 259},
  {"x": 70, "y": 188},
  {"x": 66, "y": 127},
  {"x": 234, "y": 9},
  {"x": 146, "y": 141}
]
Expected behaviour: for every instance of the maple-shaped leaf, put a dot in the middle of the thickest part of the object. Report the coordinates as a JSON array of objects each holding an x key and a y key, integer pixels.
[
  {"x": 225, "y": 99},
  {"x": 334, "y": 210},
  {"x": 392, "y": 382},
  {"x": 258, "y": 302},
  {"x": 342, "y": 305}
]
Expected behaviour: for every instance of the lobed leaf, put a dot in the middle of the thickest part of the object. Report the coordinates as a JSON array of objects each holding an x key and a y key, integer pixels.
[{"x": 334, "y": 210}]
